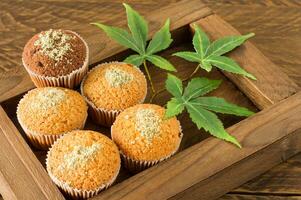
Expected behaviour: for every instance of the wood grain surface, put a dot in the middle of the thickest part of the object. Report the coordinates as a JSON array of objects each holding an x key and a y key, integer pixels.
[
  {"x": 281, "y": 180},
  {"x": 21, "y": 174},
  {"x": 258, "y": 197},
  {"x": 20, "y": 20},
  {"x": 242, "y": 171},
  {"x": 277, "y": 24}
]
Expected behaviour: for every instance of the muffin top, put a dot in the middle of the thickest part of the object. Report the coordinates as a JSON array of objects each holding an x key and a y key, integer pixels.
[
  {"x": 142, "y": 133},
  {"x": 52, "y": 110},
  {"x": 114, "y": 86},
  {"x": 54, "y": 53},
  {"x": 84, "y": 160}
]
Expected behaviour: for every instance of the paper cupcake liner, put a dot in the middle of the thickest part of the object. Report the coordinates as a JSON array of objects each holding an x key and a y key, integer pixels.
[
  {"x": 103, "y": 116},
  {"x": 75, "y": 193},
  {"x": 139, "y": 165},
  {"x": 40, "y": 140},
  {"x": 68, "y": 81}
]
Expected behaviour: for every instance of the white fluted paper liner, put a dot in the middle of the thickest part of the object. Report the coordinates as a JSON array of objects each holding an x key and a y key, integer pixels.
[
  {"x": 140, "y": 165},
  {"x": 68, "y": 81},
  {"x": 42, "y": 140},
  {"x": 103, "y": 116},
  {"x": 79, "y": 193}
]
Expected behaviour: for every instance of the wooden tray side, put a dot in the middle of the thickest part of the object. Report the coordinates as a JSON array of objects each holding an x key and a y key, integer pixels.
[
  {"x": 272, "y": 84},
  {"x": 15, "y": 80},
  {"x": 21, "y": 175},
  {"x": 243, "y": 171},
  {"x": 211, "y": 156}
]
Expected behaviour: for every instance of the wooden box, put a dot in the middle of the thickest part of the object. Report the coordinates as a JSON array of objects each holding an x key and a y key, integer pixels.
[{"x": 205, "y": 167}]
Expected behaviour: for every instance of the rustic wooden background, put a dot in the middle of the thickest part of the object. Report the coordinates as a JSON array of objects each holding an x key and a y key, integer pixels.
[{"x": 277, "y": 25}]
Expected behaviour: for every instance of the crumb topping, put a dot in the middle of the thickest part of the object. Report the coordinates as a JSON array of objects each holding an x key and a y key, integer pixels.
[
  {"x": 96, "y": 88},
  {"x": 48, "y": 98},
  {"x": 147, "y": 123},
  {"x": 55, "y": 52},
  {"x": 116, "y": 77},
  {"x": 131, "y": 142},
  {"x": 84, "y": 160},
  {"x": 79, "y": 156},
  {"x": 52, "y": 110},
  {"x": 54, "y": 43}
]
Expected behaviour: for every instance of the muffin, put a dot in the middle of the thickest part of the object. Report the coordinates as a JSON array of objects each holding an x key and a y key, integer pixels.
[
  {"x": 56, "y": 58},
  {"x": 82, "y": 163},
  {"x": 144, "y": 137},
  {"x": 112, "y": 87},
  {"x": 47, "y": 113}
]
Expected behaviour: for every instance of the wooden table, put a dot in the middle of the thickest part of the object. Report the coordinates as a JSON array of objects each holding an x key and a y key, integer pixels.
[{"x": 277, "y": 25}]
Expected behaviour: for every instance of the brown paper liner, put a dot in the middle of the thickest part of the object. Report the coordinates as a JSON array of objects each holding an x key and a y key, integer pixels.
[
  {"x": 68, "y": 81},
  {"x": 103, "y": 116},
  {"x": 75, "y": 193},
  {"x": 40, "y": 140},
  {"x": 139, "y": 165}
]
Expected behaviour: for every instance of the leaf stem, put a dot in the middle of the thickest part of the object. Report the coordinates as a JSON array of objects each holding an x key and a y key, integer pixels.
[
  {"x": 192, "y": 74},
  {"x": 155, "y": 94},
  {"x": 149, "y": 77}
]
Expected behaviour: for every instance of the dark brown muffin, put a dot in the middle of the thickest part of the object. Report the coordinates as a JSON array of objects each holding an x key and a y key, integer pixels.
[{"x": 54, "y": 53}]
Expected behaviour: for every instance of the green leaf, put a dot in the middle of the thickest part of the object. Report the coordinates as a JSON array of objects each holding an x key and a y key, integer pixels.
[
  {"x": 221, "y": 106},
  {"x": 199, "y": 86},
  {"x": 174, "y": 85},
  {"x": 188, "y": 55},
  {"x": 161, "y": 40},
  {"x": 227, "y": 64},
  {"x": 135, "y": 59},
  {"x": 137, "y": 25},
  {"x": 200, "y": 41},
  {"x": 161, "y": 62},
  {"x": 206, "y": 65},
  {"x": 210, "y": 122},
  {"x": 227, "y": 44},
  {"x": 120, "y": 35},
  {"x": 174, "y": 107}
]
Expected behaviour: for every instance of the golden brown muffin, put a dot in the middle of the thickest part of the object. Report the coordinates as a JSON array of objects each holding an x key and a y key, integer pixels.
[
  {"x": 113, "y": 87},
  {"x": 51, "y": 111},
  {"x": 56, "y": 58},
  {"x": 83, "y": 161},
  {"x": 142, "y": 134}
]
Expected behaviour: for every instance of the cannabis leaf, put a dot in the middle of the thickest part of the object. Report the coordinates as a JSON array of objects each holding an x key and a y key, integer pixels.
[
  {"x": 210, "y": 54},
  {"x": 137, "y": 39},
  {"x": 201, "y": 108}
]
